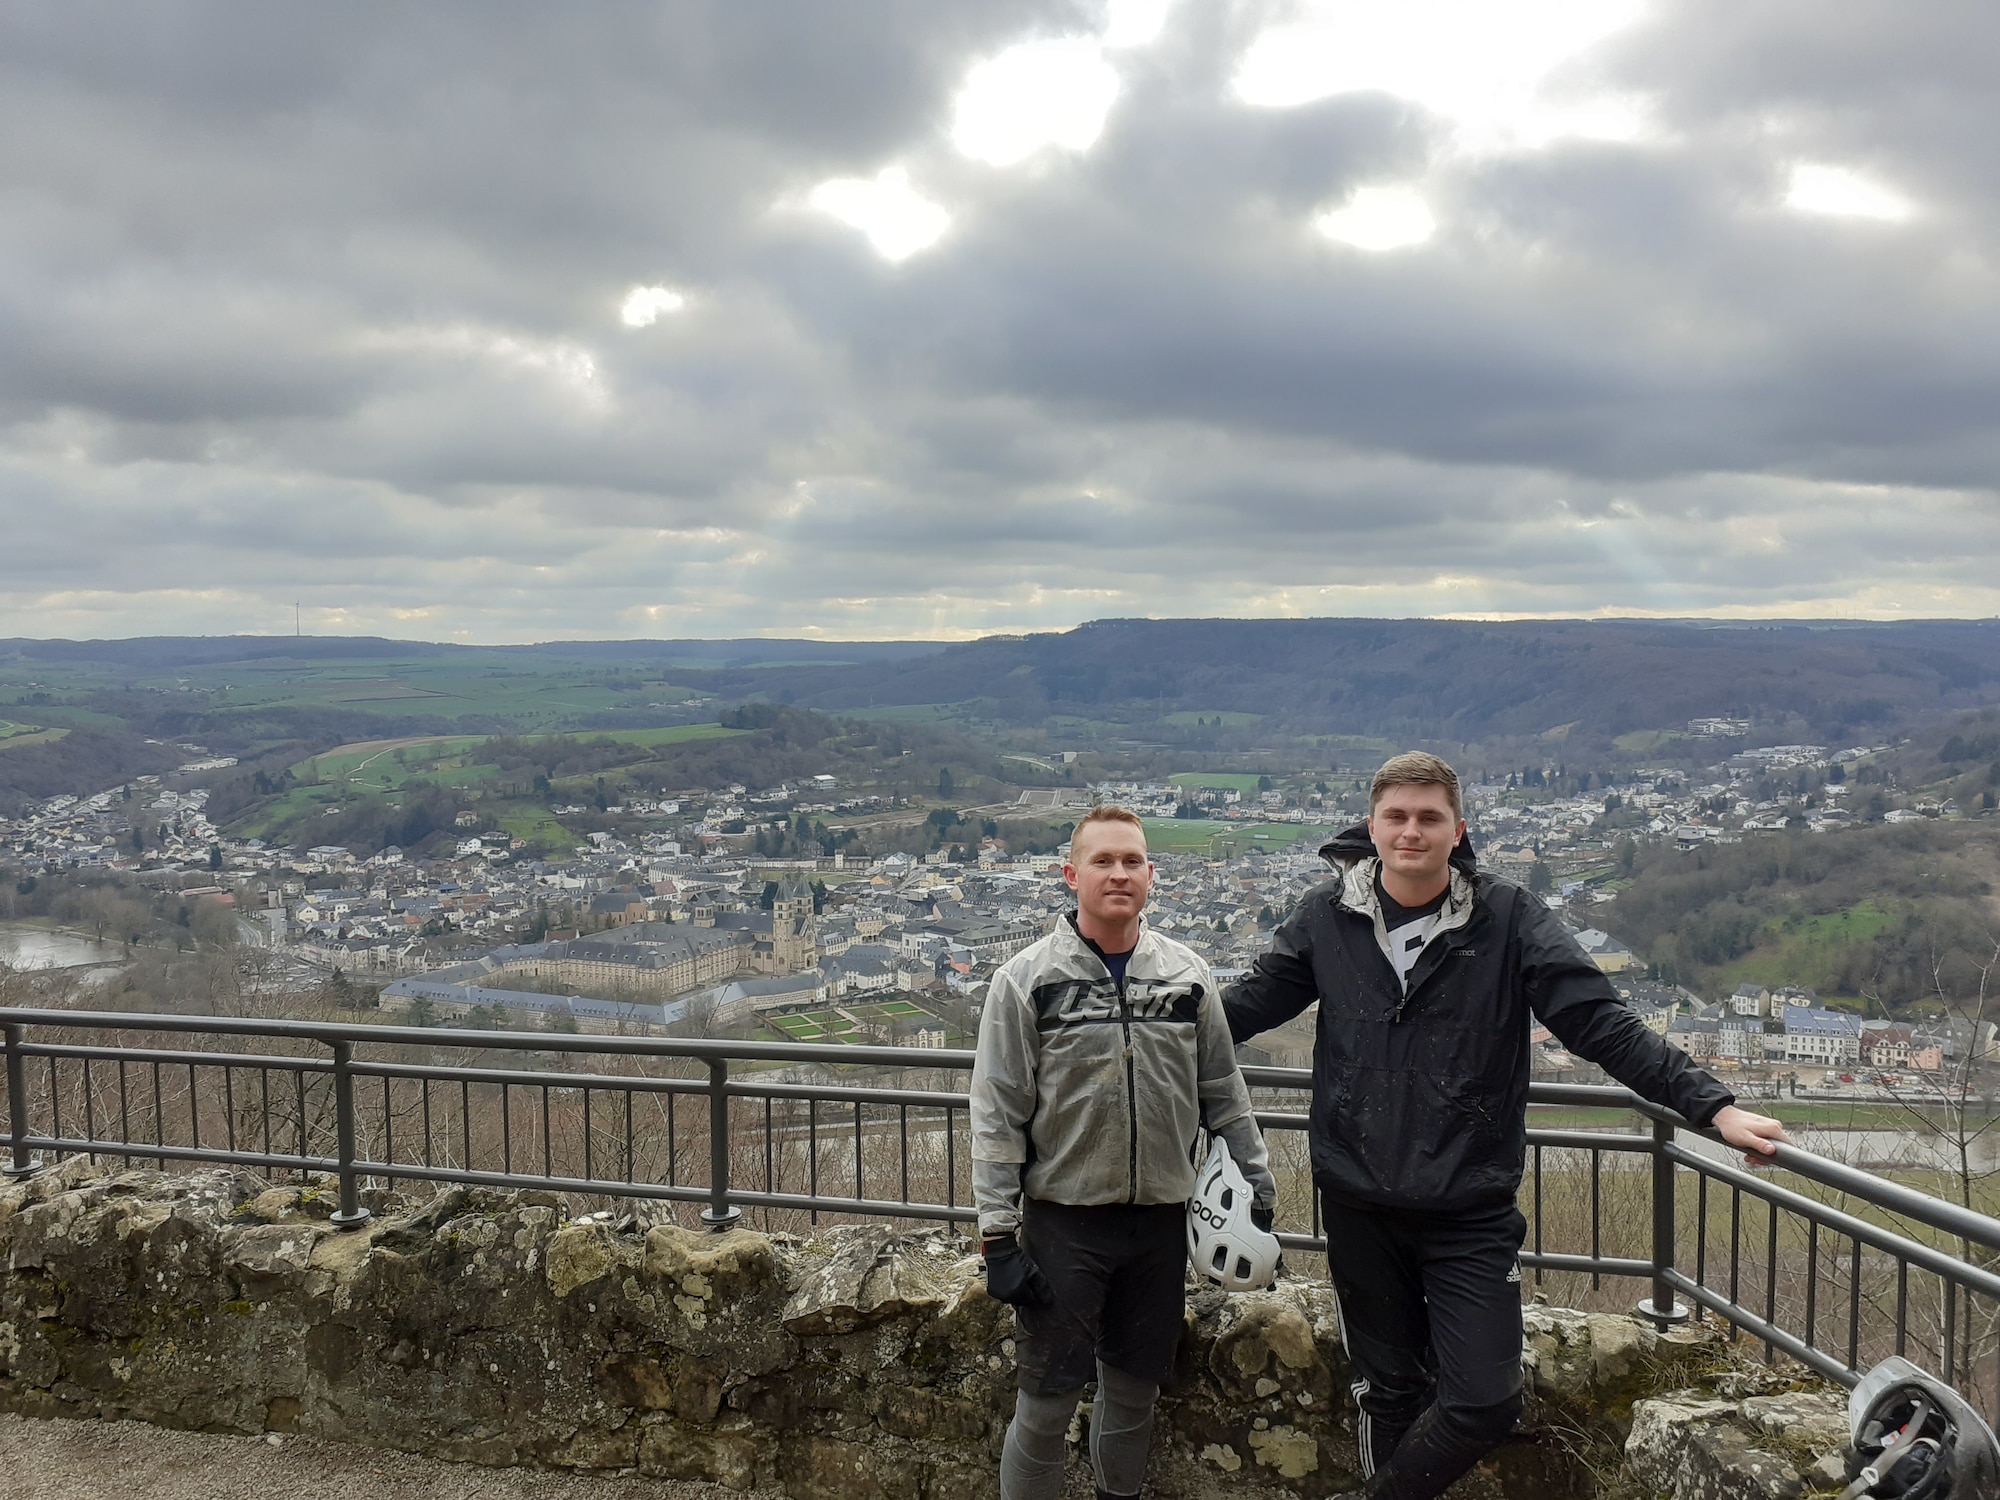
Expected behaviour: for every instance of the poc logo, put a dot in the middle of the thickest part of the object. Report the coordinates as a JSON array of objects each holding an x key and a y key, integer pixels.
[{"x": 1207, "y": 1215}]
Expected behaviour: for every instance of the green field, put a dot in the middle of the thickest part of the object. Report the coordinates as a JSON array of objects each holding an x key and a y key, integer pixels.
[
  {"x": 1806, "y": 950},
  {"x": 388, "y": 766},
  {"x": 15, "y": 736},
  {"x": 1201, "y": 836},
  {"x": 531, "y": 821},
  {"x": 825, "y": 1026},
  {"x": 335, "y": 778},
  {"x": 1218, "y": 781},
  {"x": 454, "y": 761}
]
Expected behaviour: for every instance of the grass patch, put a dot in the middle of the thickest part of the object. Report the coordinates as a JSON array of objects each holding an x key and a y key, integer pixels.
[
  {"x": 532, "y": 823},
  {"x": 454, "y": 761},
  {"x": 1859, "y": 923},
  {"x": 1222, "y": 840},
  {"x": 825, "y": 1025},
  {"x": 1802, "y": 949},
  {"x": 19, "y": 736}
]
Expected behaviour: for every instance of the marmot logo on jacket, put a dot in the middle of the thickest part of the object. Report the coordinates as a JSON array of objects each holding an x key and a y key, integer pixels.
[{"x": 1087, "y": 1002}]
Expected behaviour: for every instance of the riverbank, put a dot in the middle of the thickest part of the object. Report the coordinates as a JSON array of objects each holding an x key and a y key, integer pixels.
[{"x": 37, "y": 943}]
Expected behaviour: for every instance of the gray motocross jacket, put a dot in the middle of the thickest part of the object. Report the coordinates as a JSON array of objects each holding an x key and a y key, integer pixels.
[{"x": 1085, "y": 1090}]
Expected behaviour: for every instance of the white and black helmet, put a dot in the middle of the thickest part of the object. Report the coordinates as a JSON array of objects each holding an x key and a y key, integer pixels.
[
  {"x": 1915, "y": 1438},
  {"x": 1224, "y": 1243}
]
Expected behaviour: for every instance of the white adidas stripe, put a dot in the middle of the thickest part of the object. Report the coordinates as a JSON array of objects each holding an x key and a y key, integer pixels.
[{"x": 1363, "y": 1426}]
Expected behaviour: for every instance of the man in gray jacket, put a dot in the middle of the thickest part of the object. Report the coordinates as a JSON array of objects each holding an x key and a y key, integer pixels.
[{"x": 1102, "y": 1052}]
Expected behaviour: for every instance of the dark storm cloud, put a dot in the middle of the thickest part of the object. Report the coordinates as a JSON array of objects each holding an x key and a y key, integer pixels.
[{"x": 324, "y": 305}]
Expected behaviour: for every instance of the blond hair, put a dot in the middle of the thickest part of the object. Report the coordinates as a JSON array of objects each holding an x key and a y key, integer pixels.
[
  {"x": 1107, "y": 813},
  {"x": 1416, "y": 768}
]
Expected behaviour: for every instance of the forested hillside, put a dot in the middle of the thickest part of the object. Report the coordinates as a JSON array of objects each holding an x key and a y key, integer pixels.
[
  {"x": 409, "y": 794},
  {"x": 67, "y": 760},
  {"x": 1585, "y": 682},
  {"x": 1598, "y": 693},
  {"x": 1903, "y": 917}
]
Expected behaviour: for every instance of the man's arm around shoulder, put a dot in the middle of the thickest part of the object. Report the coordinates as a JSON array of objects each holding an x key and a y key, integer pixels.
[
  {"x": 1280, "y": 984},
  {"x": 1225, "y": 1097}
]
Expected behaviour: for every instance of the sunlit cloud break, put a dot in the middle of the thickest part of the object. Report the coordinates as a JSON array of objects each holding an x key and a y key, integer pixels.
[
  {"x": 1134, "y": 23},
  {"x": 896, "y": 218},
  {"x": 1033, "y": 96},
  {"x": 1379, "y": 218},
  {"x": 1479, "y": 63},
  {"x": 1839, "y": 193},
  {"x": 644, "y": 304}
]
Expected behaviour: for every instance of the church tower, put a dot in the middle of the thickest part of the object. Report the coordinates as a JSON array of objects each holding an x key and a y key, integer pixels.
[{"x": 794, "y": 930}]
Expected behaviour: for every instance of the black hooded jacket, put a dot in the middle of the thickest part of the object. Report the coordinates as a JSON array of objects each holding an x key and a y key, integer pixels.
[{"x": 1420, "y": 1094}]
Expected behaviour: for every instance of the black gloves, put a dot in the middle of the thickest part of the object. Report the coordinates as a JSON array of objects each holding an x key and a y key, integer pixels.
[
  {"x": 1011, "y": 1277},
  {"x": 1264, "y": 1215}
]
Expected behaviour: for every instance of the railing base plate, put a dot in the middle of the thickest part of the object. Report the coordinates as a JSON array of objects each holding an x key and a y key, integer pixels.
[
  {"x": 1676, "y": 1313},
  {"x": 721, "y": 1222},
  {"x": 342, "y": 1220},
  {"x": 22, "y": 1174}
]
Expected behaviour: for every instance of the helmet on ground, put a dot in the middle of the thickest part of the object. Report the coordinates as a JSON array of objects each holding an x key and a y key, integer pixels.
[
  {"x": 1224, "y": 1243},
  {"x": 1915, "y": 1438}
]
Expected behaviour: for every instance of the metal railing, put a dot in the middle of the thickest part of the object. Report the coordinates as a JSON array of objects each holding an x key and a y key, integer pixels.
[{"x": 1830, "y": 1265}]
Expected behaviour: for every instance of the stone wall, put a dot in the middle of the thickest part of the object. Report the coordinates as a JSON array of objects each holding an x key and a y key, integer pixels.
[{"x": 494, "y": 1328}]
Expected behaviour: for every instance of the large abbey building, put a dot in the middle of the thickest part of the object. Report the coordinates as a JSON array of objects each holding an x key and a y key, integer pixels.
[{"x": 661, "y": 959}]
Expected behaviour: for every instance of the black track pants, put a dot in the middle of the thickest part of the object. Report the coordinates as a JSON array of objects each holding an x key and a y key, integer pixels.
[{"x": 1430, "y": 1309}]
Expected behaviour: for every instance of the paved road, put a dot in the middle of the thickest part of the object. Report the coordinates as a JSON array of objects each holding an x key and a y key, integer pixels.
[{"x": 120, "y": 1460}]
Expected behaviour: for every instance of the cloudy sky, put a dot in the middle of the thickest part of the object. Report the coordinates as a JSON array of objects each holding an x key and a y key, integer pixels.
[{"x": 933, "y": 318}]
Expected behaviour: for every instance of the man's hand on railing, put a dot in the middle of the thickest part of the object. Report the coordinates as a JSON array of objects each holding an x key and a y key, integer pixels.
[{"x": 1756, "y": 1136}]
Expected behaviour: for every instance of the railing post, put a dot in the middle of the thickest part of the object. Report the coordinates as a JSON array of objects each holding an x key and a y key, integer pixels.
[
  {"x": 350, "y": 1214},
  {"x": 22, "y": 1165},
  {"x": 718, "y": 1215},
  {"x": 1661, "y": 1307}
]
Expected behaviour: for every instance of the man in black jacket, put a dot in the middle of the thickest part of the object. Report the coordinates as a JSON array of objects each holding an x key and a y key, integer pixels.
[{"x": 1428, "y": 973}]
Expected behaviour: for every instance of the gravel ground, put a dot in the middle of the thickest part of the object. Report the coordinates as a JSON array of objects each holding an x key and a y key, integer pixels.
[{"x": 60, "y": 1460}]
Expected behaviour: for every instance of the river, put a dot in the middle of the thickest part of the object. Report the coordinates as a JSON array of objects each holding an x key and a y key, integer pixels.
[{"x": 47, "y": 948}]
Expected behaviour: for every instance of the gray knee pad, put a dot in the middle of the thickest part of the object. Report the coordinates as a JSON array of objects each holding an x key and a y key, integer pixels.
[
  {"x": 1031, "y": 1462},
  {"x": 1121, "y": 1430}
]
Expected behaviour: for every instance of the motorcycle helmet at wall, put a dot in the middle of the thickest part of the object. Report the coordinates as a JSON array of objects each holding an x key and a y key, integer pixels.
[{"x": 1915, "y": 1438}]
